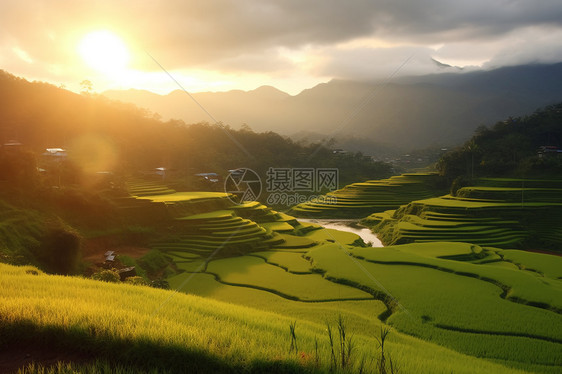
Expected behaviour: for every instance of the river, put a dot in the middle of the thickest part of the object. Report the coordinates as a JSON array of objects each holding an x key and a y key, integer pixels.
[{"x": 349, "y": 225}]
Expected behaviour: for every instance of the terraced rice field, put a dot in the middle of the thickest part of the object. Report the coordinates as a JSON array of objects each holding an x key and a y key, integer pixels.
[
  {"x": 360, "y": 199},
  {"x": 480, "y": 309},
  {"x": 500, "y": 216},
  {"x": 441, "y": 292},
  {"x": 452, "y": 285},
  {"x": 222, "y": 229}
]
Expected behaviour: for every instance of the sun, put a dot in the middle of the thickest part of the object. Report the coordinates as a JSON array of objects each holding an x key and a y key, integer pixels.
[{"x": 104, "y": 51}]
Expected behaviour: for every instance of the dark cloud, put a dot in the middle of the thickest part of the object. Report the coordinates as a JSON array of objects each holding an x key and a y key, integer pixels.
[{"x": 222, "y": 29}]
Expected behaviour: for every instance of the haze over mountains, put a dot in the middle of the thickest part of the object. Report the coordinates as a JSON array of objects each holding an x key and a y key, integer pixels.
[{"x": 403, "y": 113}]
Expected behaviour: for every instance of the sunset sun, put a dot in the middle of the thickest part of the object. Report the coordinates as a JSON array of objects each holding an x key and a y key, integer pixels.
[{"x": 104, "y": 51}]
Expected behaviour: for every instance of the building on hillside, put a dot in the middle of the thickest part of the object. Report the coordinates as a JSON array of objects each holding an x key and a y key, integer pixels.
[
  {"x": 126, "y": 273},
  {"x": 12, "y": 145},
  {"x": 208, "y": 177},
  {"x": 161, "y": 171},
  {"x": 55, "y": 154},
  {"x": 339, "y": 151}
]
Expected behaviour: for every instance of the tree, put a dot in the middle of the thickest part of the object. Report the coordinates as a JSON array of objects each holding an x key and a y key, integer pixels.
[
  {"x": 60, "y": 249},
  {"x": 86, "y": 87}
]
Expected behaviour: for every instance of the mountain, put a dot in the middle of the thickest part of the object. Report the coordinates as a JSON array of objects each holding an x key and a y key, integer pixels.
[
  {"x": 106, "y": 135},
  {"x": 407, "y": 113},
  {"x": 233, "y": 107}
]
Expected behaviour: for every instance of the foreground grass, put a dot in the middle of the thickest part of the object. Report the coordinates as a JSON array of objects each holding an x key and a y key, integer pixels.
[{"x": 148, "y": 329}]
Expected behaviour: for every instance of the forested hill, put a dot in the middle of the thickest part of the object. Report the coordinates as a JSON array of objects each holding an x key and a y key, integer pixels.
[
  {"x": 527, "y": 146},
  {"x": 123, "y": 137}
]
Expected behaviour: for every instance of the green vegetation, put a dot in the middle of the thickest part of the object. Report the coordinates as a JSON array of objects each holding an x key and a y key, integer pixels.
[
  {"x": 131, "y": 140},
  {"x": 360, "y": 199},
  {"x": 510, "y": 148},
  {"x": 291, "y": 262},
  {"x": 254, "y": 272},
  {"x": 29, "y": 237},
  {"x": 547, "y": 265},
  {"x": 255, "y": 290},
  {"x": 171, "y": 332},
  {"x": 499, "y": 215},
  {"x": 478, "y": 309},
  {"x": 480, "y": 300},
  {"x": 152, "y": 326}
]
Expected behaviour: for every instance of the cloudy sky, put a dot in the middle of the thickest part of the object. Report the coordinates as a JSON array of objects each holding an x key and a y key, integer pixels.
[{"x": 217, "y": 45}]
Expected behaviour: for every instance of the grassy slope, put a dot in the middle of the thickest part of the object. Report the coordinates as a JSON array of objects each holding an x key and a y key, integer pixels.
[
  {"x": 458, "y": 304},
  {"x": 135, "y": 325},
  {"x": 438, "y": 269},
  {"x": 477, "y": 318}
]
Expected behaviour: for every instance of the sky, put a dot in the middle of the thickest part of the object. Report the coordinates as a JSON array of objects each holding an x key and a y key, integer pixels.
[{"x": 220, "y": 45}]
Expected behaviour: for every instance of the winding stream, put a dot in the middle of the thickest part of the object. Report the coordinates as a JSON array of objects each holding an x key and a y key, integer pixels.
[{"x": 349, "y": 225}]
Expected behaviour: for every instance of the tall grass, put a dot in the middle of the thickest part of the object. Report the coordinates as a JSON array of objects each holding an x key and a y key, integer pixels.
[{"x": 148, "y": 329}]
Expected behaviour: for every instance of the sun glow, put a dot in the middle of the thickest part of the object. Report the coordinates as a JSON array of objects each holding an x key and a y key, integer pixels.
[{"x": 104, "y": 51}]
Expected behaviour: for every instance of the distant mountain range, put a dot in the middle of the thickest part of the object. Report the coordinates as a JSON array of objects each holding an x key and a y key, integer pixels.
[{"x": 403, "y": 113}]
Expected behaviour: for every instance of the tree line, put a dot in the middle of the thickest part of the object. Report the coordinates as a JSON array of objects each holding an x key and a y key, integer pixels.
[
  {"x": 39, "y": 115},
  {"x": 516, "y": 147}
]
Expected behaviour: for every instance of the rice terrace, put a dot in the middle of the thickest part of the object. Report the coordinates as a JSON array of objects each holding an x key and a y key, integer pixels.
[{"x": 394, "y": 206}]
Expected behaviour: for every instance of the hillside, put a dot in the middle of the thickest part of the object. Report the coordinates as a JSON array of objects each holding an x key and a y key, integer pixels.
[
  {"x": 289, "y": 280},
  {"x": 406, "y": 113},
  {"x": 102, "y": 135},
  {"x": 255, "y": 289},
  {"x": 95, "y": 325},
  {"x": 525, "y": 146}
]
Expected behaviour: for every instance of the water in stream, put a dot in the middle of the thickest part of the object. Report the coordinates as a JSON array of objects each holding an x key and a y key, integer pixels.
[{"x": 349, "y": 225}]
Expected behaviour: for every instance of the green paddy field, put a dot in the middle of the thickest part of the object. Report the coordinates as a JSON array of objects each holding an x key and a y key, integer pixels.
[{"x": 256, "y": 290}]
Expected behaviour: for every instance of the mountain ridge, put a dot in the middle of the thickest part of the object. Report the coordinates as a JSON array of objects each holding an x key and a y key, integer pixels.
[{"x": 409, "y": 112}]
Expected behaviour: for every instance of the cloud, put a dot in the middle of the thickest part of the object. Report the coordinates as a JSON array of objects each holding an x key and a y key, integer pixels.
[
  {"x": 377, "y": 63},
  {"x": 198, "y": 33},
  {"x": 264, "y": 35},
  {"x": 529, "y": 45}
]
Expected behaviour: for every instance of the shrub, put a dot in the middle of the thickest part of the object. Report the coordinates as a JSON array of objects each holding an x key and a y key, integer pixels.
[
  {"x": 59, "y": 251},
  {"x": 457, "y": 184},
  {"x": 160, "y": 283},
  {"x": 107, "y": 276},
  {"x": 153, "y": 262}
]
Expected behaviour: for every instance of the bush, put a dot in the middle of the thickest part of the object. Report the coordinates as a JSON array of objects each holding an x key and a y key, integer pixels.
[
  {"x": 107, "y": 276},
  {"x": 59, "y": 251},
  {"x": 160, "y": 283},
  {"x": 457, "y": 184},
  {"x": 153, "y": 262}
]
